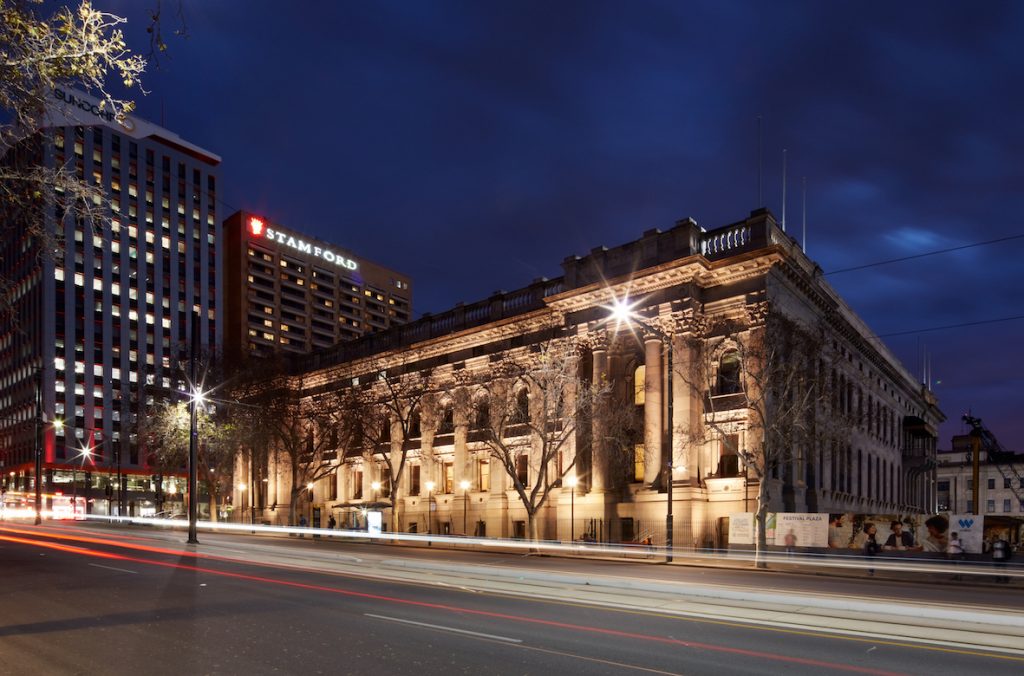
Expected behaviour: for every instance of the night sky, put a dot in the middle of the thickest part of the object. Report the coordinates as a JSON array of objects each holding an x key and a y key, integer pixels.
[{"x": 474, "y": 145}]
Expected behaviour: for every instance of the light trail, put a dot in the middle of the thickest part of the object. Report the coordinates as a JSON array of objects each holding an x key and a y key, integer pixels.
[
  {"x": 663, "y": 640},
  {"x": 637, "y": 553}
]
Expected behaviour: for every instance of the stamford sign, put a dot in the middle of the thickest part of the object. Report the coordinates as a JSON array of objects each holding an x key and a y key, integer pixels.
[{"x": 258, "y": 228}]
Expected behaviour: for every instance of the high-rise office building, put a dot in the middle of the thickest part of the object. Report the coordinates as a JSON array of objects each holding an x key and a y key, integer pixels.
[
  {"x": 99, "y": 323},
  {"x": 291, "y": 293}
]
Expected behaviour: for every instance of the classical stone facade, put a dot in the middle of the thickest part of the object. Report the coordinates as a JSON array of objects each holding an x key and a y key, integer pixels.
[{"x": 703, "y": 300}]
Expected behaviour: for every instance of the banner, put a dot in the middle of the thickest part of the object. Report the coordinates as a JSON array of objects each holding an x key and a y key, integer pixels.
[
  {"x": 741, "y": 528},
  {"x": 968, "y": 529},
  {"x": 794, "y": 529}
]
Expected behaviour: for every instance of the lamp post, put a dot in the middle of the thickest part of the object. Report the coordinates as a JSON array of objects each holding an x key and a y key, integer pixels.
[
  {"x": 84, "y": 453},
  {"x": 39, "y": 446},
  {"x": 241, "y": 489},
  {"x": 430, "y": 518},
  {"x": 464, "y": 485},
  {"x": 572, "y": 481},
  {"x": 622, "y": 312},
  {"x": 195, "y": 401}
]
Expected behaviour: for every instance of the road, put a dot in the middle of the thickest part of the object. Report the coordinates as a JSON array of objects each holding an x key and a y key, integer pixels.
[{"x": 77, "y": 599}]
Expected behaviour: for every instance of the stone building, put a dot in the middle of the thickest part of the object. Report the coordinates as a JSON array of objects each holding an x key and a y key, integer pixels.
[{"x": 700, "y": 300}]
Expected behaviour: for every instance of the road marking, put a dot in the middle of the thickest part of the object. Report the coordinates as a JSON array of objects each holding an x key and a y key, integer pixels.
[
  {"x": 506, "y": 639},
  {"x": 120, "y": 570},
  {"x": 621, "y": 665}
]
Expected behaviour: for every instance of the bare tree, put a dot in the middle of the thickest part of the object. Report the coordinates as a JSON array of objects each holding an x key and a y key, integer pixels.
[
  {"x": 534, "y": 405},
  {"x": 763, "y": 376},
  {"x": 383, "y": 416},
  {"x": 305, "y": 430}
]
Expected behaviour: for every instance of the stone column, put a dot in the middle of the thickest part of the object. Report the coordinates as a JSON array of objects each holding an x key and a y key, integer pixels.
[
  {"x": 463, "y": 472},
  {"x": 686, "y": 411},
  {"x": 653, "y": 403},
  {"x": 598, "y": 452}
]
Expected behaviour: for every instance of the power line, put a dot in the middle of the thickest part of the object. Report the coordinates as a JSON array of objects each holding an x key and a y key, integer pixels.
[
  {"x": 950, "y": 326},
  {"x": 929, "y": 253}
]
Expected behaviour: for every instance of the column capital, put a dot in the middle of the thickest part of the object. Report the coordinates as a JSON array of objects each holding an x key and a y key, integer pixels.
[
  {"x": 757, "y": 313},
  {"x": 598, "y": 340},
  {"x": 691, "y": 322}
]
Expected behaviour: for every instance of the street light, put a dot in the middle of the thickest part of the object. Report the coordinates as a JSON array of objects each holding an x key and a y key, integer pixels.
[
  {"x": 39, "y": 445},
  {"x": 241, "y": 489},
  {"x": 464, "y": 485},
  {"x": 430, "y": 488},
  {"x": 572, "y": 481},
  {"x": 197, "y": 399},
  {"x": 84, "y": 453},
  {"x": 622, "y": 312}
]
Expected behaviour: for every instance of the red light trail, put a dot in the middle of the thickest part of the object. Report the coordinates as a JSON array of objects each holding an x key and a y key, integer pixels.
[{"x": 421, "y": 604}]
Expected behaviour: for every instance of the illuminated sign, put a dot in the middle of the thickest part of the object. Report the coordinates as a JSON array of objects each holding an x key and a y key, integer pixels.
[
  {"x": 90, "y": 107},
  {"x": 260, "y": 229}
]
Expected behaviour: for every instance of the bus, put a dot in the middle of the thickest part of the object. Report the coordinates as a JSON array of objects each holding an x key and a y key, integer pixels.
[{"x": 22, "y": 505}]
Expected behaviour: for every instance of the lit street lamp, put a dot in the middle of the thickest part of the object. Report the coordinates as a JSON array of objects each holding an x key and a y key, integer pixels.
[
  {"x": 430, "y": 518},
  {"x": 241, "y": 489},
  {"x": 196, "y": 400},
  {"x": 84, "y": 453},
  {"x": 572, "y": 481},
  {"x": 464, "y": 485},
  {"x": 622, "y": 313}
]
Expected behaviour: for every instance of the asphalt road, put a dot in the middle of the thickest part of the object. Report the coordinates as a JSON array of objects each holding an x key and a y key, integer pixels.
[{"x": 81, "y": 600}]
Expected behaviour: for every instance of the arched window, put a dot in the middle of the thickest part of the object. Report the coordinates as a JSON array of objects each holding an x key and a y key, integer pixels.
[
  {"x": 639, "y": 385},
  {"x": 522, "y": 406},
  {"x": 729, "y": 373},
  {"x": 482, "y": 416},
  {"x": 447, "y": 425}
]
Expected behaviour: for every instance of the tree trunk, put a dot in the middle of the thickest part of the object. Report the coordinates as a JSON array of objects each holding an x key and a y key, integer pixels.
[
  {"x": 213, "y": 508},
  {"x": 293, "y": 508},
  {"x": 532, "y": 529},
  {"x": 394, "y": 508},
  {"x": 762, "y": 535}
]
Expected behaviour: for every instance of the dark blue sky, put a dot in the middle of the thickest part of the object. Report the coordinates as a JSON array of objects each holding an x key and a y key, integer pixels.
[{"x": 474, "y": 145}]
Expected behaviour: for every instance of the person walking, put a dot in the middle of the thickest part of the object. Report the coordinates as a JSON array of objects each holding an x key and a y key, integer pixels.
[
  {"x": 871, "y": 546},
  {"x": 955, "y": 552},
  {"x": 1000, "y": 556}
]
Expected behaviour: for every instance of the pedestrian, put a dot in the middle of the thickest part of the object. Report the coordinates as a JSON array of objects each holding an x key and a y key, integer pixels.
[
  {"x": 790, "y": 542},
  {"x": 955, "y": 552},
  {"x": 1001, "y": 553},
  {"x": 302, "y": 524},
  {"x": 871, "y": 546},
  {"x": 331, "y": 523}
]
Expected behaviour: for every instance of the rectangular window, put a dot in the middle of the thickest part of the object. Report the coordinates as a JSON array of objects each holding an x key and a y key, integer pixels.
[
  {"x": 484, "y": 474},
  {"x": 991, "y": 484},
  {"x": 638, "y": 462},
  {"x": 1006, "y": 504},
  {"x": 414, "y": 479},
  {"x": 1006, "y": 482},
  {"x": 990, "y": 506},
  {"x": 523, "y": 469},
  {"x": 357, "y": 485},
  {"x": 449, "y": 478}
]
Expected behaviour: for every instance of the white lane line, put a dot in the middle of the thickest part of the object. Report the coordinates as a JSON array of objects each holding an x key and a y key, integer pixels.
[
  {"x": 443, "y": 628},
  {"x": 120, "y": 570}
]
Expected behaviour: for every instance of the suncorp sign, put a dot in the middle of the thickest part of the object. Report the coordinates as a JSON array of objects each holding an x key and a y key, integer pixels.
[
  {"x": 259, "y": 229},
  {"x": 88, "y": 106}
]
